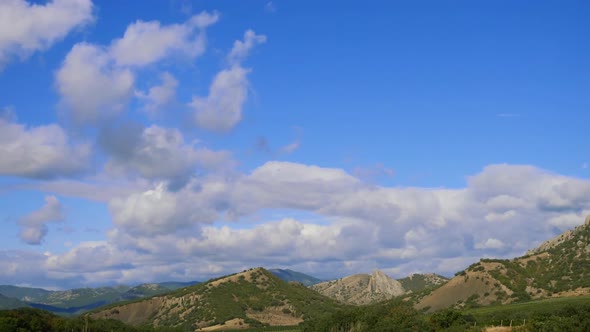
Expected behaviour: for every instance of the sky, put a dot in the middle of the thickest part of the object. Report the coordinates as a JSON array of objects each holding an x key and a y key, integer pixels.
[{"x": 145, "y": 141}]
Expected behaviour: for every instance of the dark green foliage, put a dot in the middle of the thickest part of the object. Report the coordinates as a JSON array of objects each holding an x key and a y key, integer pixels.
[
  {"x": 35, "y": 320},
  {"x": 451, "y": 319},
  {"x": 388, "y": 316}
]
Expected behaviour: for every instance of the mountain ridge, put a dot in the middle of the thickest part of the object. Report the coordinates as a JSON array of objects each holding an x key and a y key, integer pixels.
[{"x": 558, "y": 267}]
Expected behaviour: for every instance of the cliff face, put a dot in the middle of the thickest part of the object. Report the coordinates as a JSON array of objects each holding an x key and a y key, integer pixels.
[{"x": 361, "y": 288}]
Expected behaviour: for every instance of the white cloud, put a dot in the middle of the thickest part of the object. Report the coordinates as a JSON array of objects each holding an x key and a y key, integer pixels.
[
  {"x": 90, "y": 87},
  {"x": 160, "y": 211},
  {"x": 33, "y": 228},
  {"x": 147, "y": 42},
  {"x": 144, "y": 151},
  {"x": 221, "y": 110},
  {"x": 329, "y": 223},
  {"x": 490, "y": 243},
  {"x": 40, "y": 152},
  {"x": 26, "y": 28},
  {"x": 159, "y": 96},
  {"x": 241, "y": 49},
  {"x": 96, "y": 82}
]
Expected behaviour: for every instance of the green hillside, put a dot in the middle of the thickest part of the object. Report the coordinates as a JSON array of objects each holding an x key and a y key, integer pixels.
[
  {"x": 10, "y": 303},
  {"x": 255, "y": 297}
]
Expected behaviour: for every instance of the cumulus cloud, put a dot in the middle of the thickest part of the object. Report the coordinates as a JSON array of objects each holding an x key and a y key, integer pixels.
[
  {"x": 91, "y": 89},
  {"x": 33, "y": 228},
  {"x": 40, "y": 152},
  {"x": 159, "y": 96},
  {"x": 221, "y": 110},
  {"x": 96, "y": 82},
  {"x": 241, "y": 49},
  {"x": 147, "y": 42},
  {"x": 159, "y": 153},
  {"x": 331, "y": 223},
  {"x": 161, "y": 211},
  {"x": 26, "y": 27}
]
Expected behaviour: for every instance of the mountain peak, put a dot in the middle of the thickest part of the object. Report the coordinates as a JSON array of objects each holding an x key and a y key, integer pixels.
[{"x": 361, "y": 288}]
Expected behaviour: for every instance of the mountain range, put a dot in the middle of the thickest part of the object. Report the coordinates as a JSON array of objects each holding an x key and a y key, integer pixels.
[
  {"x": 75, "y": 301},
  {"x": 559, "y": 267}
]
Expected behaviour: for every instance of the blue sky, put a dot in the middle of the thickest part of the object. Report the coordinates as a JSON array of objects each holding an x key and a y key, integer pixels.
[{"x": 159, "y": 140}]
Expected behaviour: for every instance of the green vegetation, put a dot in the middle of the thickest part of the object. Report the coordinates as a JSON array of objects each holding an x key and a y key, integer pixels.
[
  {"x": 35, "y": 320},
  {"x": 388, "y": 316},
  {"x": 10, "y": 303}
]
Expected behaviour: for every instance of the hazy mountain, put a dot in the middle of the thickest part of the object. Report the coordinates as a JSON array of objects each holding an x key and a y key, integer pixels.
[
  {"x": 361, "y": 288},
  {"x": 290, "y": 275},
  {"x": 558, "y": 267},
  {"x": 10, "y": 303},
  {"x": 174, "y": 285},
  {"x": 250, "y": 298},
  {"x": 79, "y": 300},
  {"x": 23, "y": 293}
]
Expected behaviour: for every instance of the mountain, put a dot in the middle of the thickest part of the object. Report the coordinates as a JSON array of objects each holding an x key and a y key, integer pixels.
[
  {"x": 10, "y": 303},
  {"x": 250, "y": 298},
  {"x": 141, "y": 291},
  {"x": 420, "y": 282},
  {"x": 79, "y": 300},
  {"x": 174, "y": 285},
  {"x": 558, "y": 267},
  {"x": 290, "y": 275},
  {"x": 361, "y": 289},
  {"x": 23, "y": 293}
]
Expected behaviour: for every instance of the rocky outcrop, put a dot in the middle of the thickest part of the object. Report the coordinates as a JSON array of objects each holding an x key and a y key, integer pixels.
[{"x": 361, "y": 289}]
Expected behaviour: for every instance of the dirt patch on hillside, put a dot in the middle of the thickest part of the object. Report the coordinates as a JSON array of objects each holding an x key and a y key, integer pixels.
[
  {"x": 276, "y": 316},
  {"x": 133, "y": 313},
  {"x": 232, "y": 324},
  {"x": 575, "y": 292}
]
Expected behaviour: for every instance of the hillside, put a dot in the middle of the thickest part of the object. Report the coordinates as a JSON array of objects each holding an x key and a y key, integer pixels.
[
  {"x": 558, "y": 267},
  {"x": 361, "y": 289},
  {"x": 420, "y": 282},
  {"x": 251, "y": 298},
  {"x": 290, "y": 275},
  {"x": 10, "y": 303}
]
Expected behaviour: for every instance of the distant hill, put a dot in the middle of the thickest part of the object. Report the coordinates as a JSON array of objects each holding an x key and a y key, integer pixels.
[
  {"x": 420, "y": 282},
  {"x": 361, "y": 288},
  {"x": 174, "y": 285},
  {"x": 23, "y": 293},
  {"x": 558, "y": 267},
  {"x": 290, "y": 275},
  {"x": 249, "y": 298},
  {"x": 79, "y": 300},
  {"x": 10, "y": 303},
  {"x": 141, "y": 291}
]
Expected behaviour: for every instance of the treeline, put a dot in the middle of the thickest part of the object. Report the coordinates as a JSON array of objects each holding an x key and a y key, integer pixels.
[
  {"x": 385, "y": 317},
  {"x": 397, "y": 316},
  {"x": 36, "y": 320}
]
